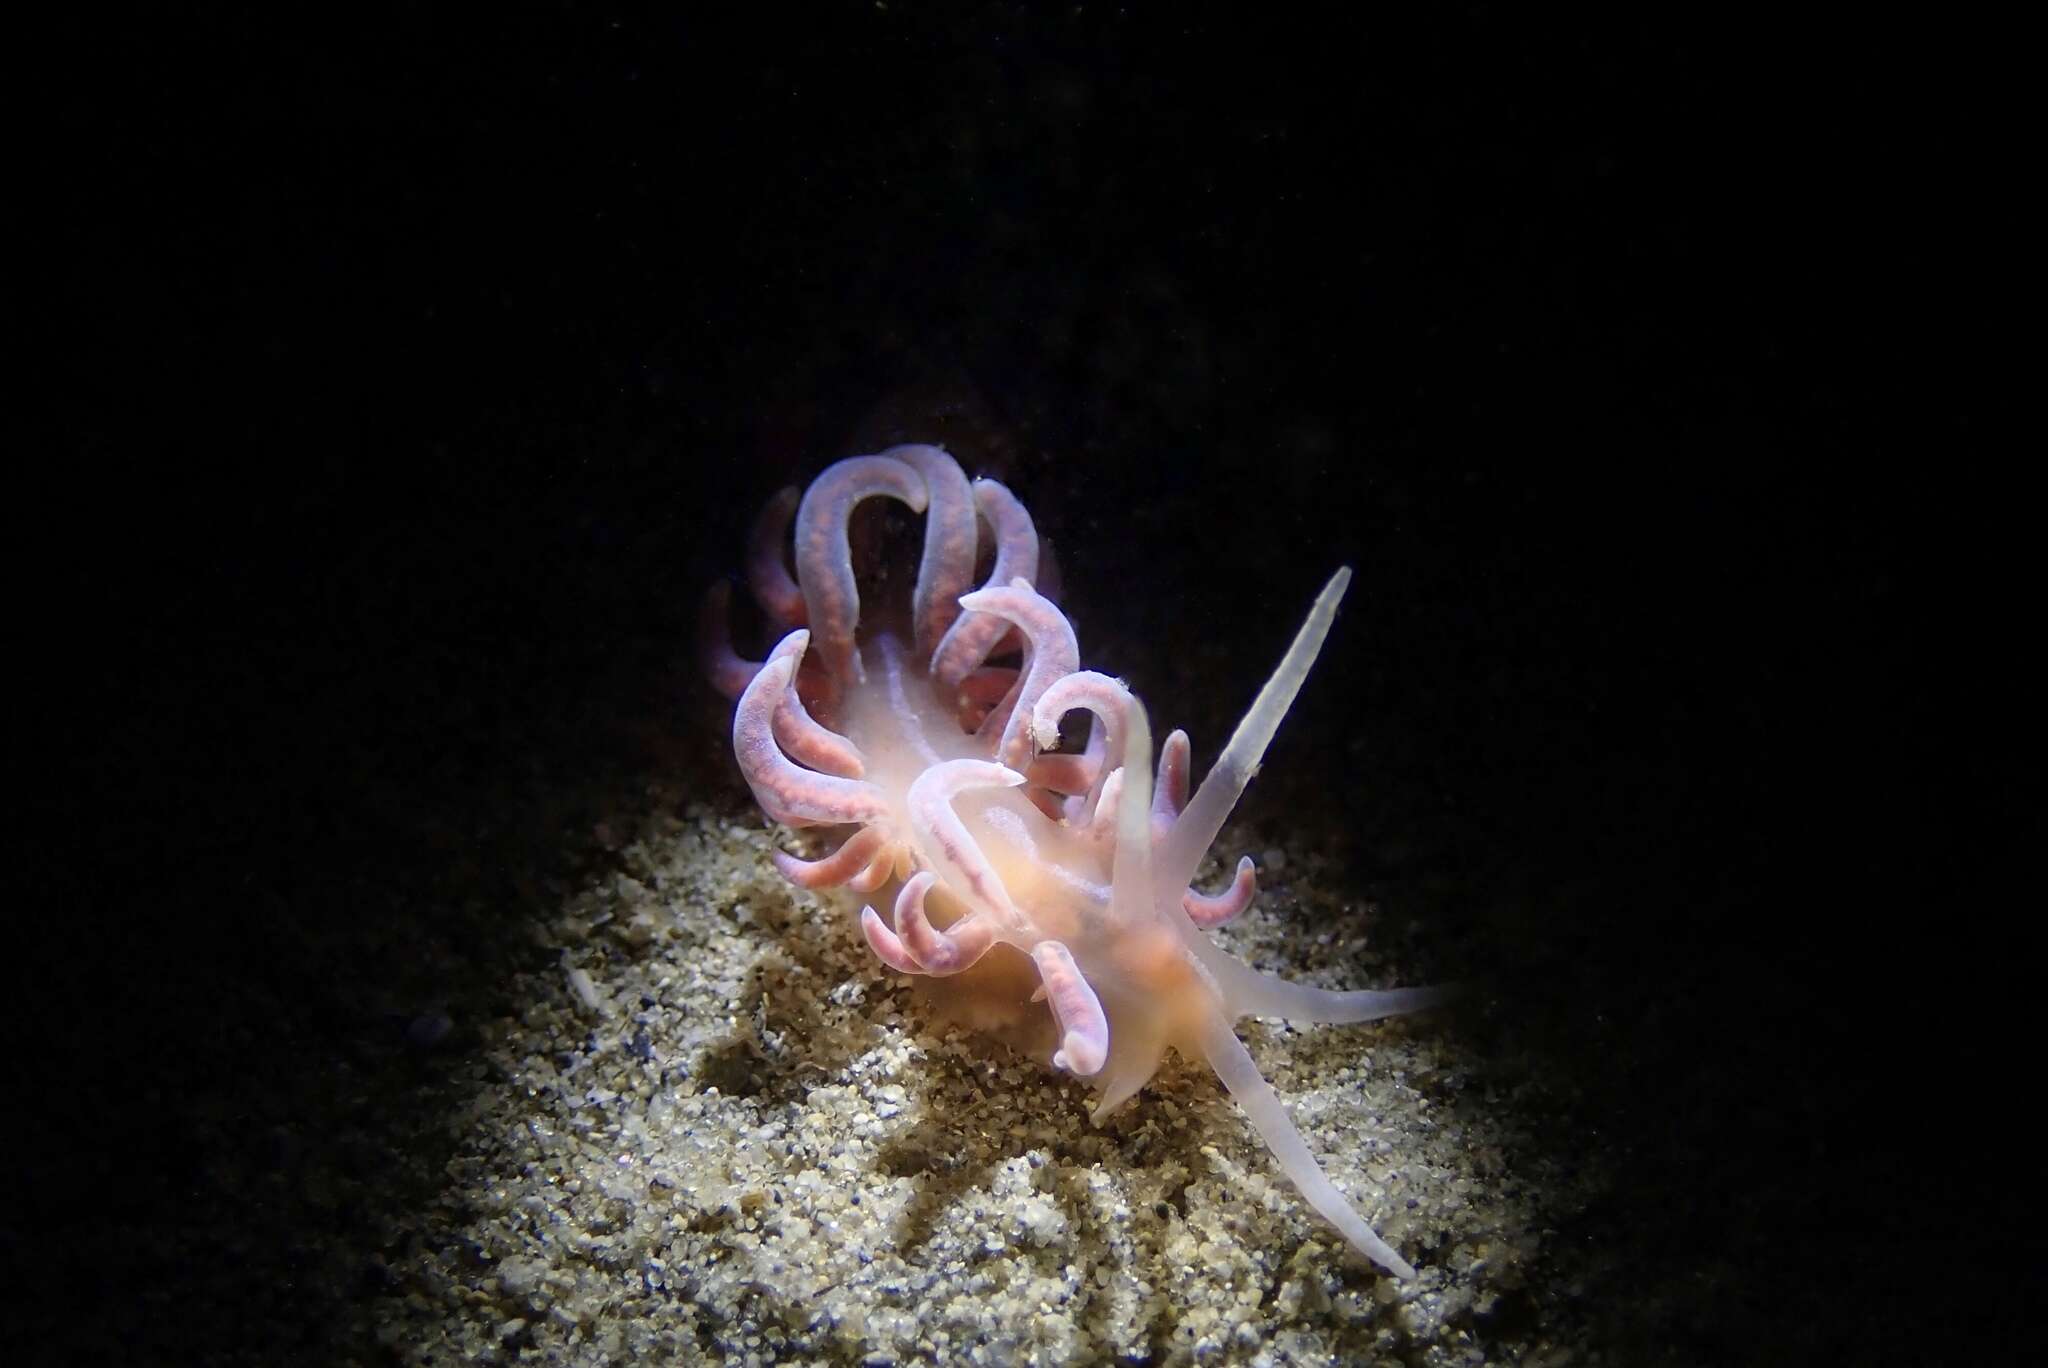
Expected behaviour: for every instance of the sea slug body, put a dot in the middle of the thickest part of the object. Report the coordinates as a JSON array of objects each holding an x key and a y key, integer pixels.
[{"x": 982, "y": 839}]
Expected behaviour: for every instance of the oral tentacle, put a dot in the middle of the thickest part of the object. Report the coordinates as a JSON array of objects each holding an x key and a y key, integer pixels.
[
  {"x": 1170, "y": 788},
  {"x": 944, "y": 840},
  {"x": 824, "y": 557},
  {"x": 946, "y": 570},
  {"x": 1084, "y": 1029},
  {"x": 1094, "y": 753},
  {"x": 973, "y": 637},
  {"x": 728, "y": 671},
  {"x": 775, "y": 589},
  {"x": 1110, "y": 702},
  {"x": 980, "y": 692},
  {"x": 842, "y": 864},
  {"x": 988, "y": 685},
  {"x": 799, "y": 797},
  {"x": 1102, "y": 821},
  {"x": 811, "y": 743},
  {"x": 884, "y": 942},
  {"x": 940, "y": 953},
  {"x": 1053, "y": 654},
  {"x": 1069, "y": 775},
  {"x": 879, "y": 871},
  {"x": 1213, "y": 909}
]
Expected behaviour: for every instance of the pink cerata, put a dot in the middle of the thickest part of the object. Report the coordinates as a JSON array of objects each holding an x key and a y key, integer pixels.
[{"x": 967, "y": 821}]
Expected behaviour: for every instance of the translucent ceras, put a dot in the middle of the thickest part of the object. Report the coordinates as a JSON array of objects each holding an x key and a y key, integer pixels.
[{"x": 929, "y": 732}]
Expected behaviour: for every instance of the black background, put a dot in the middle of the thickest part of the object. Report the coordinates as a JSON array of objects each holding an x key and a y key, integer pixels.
[{"x": 410, "y": 375}]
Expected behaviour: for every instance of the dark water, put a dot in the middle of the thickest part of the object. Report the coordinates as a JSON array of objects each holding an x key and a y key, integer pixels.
[{"x": 411, "y": 378}]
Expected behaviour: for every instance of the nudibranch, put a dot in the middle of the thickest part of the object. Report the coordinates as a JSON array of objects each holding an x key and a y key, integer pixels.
[{"x": 976, "y": 829}]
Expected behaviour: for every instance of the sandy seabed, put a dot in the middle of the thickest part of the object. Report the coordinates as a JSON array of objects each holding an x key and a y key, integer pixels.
[{"x": 719, "y": 1130}]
